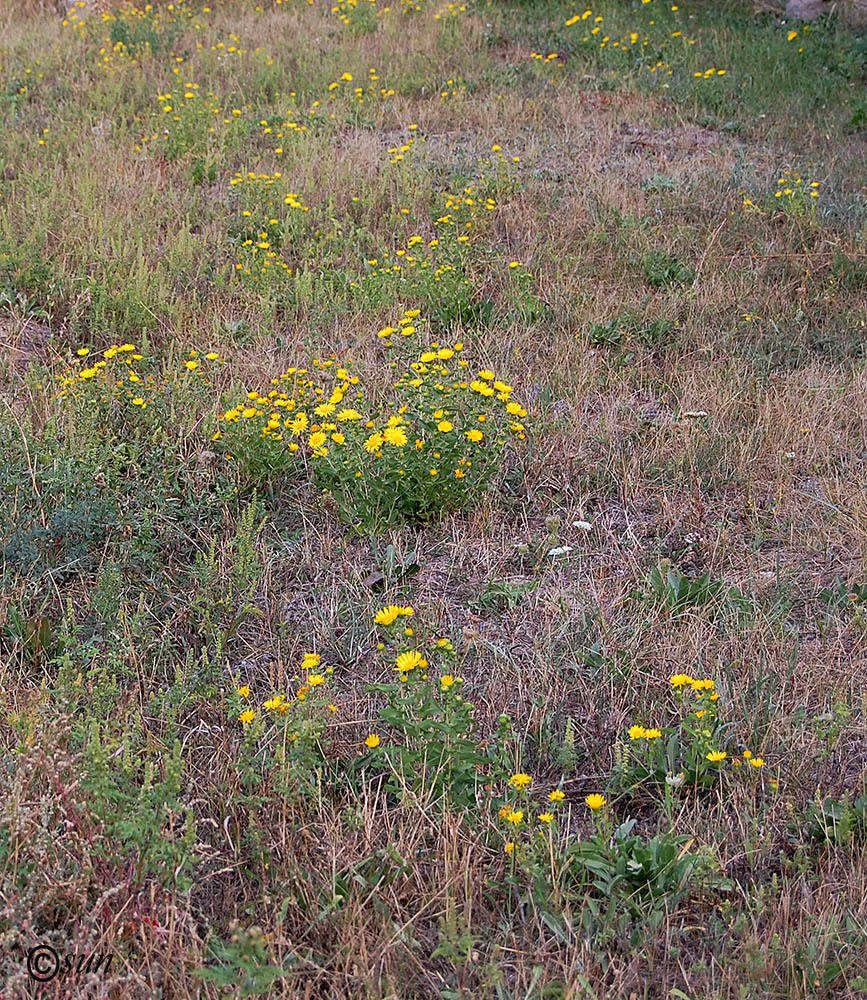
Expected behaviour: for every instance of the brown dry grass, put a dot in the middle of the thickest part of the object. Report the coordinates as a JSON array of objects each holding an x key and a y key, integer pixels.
[{"x": 765, "y": 493}]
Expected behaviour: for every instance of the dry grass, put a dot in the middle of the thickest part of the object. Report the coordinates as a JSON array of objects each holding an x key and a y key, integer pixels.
[{"x": 109, "y": 654}]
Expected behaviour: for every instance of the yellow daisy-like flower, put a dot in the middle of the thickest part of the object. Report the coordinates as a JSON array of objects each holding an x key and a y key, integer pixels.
[
  {"x": 244, "y": 691},
  {"x": 298, "y": 424},
  {"x": 311, "y": 661},
  {"x": 557, "y": 795},
  {"x": 349, "y": 414},
  {"x": 715, "y": 756},
  {"x": 409, "y": 660},
  {"x": 445, "y": 426},
  {"x": 325, "y": 409},
  {"x": 510, "y": 846},
  {"x": 372, "y": 741},
  {"x": 475, "y": 435},
  {"x": 637, "y": 732},
  {"x": 191, "y": 365},
  {"x": 652, "y": 734},
  {"x": 595, "y": 801},
  {"x": 520, "y": 781},
  {"x": 247, "y": 716},
  {"x": 546, "y": 817},
  {"x": 395, "y": 436},
  {"x": 389, "y": 615},
  {"x": 486, "y": 374},
  {"x": 273, "y": 704},
  {"x": 374, "y": 442},
  {"x": 515, "y": 817},
  {"x": 680, "y": 680},
  {"x": 314, "y": 680},
  {"x": 757, "y": 762},
  {"x": 317, "y": 439},
  {"x": 446, "y": 681},
  {"x": 706, "y": 684}
]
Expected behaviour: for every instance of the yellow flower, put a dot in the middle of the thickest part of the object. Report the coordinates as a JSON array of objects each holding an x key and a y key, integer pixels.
[
  {"x": 389, "y": 615},
  {"x": 372, "y": 741},
  {"x": 349, "y": 414},
  {"x": 191, "y": 365},
  {"x": 557, "y": 795},
  {"x": 244, "y": 691},
  {"x": 317, "y": 439},
  {"x": 510, "y": 846},
  {"x": 757, "y": 762},
  {"x": 298, "y": 424},
  {"x": 715, "y": 756},
  {"x": 395, "y": 436},
  {"x": 703, "y": 685},
  {"x": 637, "y": 732},
  {"x": 409, "y": 660},
  {"x": 595, "y": 801},
  {"x": 325, "y": 409},
  {"x": 314, "y": 680},
  {"x": 247, "y": 716},
  {"x": 546, "y": 817},
  {"x": 475, "y": 435},
  {"x": 520, "y": 781},
  {"x": 446, "y": 681},
  {"x": 514, "y": 817},
  {"x": 82, "y": 352},
  {"x": 489, "y": 375},
  {"x": 310, "y": 661},
  {"x": 652, "y": 734},
  {"x": 679, "y": 680},
  {"x": 374, "y": 442},
  {"x": 445, "y": 426},
  {"x": 274, "y": 703}
]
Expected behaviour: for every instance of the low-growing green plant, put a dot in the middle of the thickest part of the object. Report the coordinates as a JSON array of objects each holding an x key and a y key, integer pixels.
[
  {"x": 837, "y": 821},
  {"x": 435, "y": 449},
  {"x": 284, "y": 737},
  {"x": 661, "y": 269},
  {"x": 679, "y": 593},
  {"x": 242, "y": 964},
  {"x": 688, "y": 754},
  {"x": 432, "y": 750}
]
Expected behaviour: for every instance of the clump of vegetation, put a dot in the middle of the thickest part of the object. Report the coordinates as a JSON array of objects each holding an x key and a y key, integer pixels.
[{"x": 427, "y": 525}]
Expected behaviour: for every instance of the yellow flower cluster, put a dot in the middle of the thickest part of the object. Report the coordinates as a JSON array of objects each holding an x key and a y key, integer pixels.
[
  {"x": 280, "y": 704},
  {"x": 120, "y": 372},
  {"x": 514, "y": 814}
]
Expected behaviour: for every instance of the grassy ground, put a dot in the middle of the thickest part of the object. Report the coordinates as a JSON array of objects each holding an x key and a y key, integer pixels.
[{"x": 655, "y": 232}]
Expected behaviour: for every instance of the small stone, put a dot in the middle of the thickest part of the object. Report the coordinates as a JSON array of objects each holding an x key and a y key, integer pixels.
[{"x": 806, "y": 10}]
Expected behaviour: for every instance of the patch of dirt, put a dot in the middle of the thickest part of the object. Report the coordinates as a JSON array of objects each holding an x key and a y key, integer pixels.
[{"x": 22, "y": 341}]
